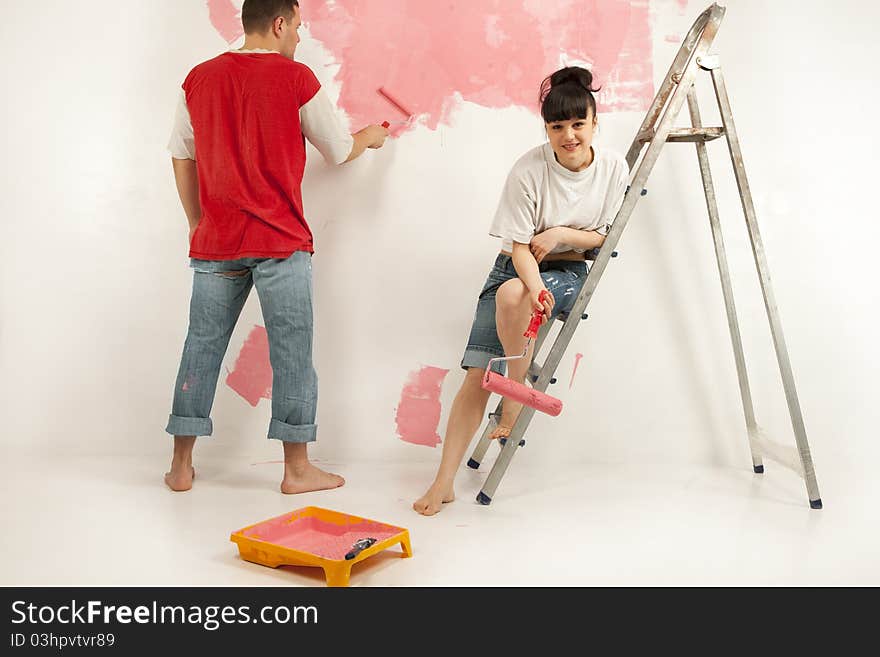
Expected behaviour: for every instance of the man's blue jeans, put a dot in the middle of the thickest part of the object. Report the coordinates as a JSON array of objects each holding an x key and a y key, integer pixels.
[{"x": 220, "y": 288}]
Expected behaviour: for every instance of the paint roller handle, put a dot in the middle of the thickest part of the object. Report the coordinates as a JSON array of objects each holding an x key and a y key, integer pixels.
[{"x": 537, "y": 318}]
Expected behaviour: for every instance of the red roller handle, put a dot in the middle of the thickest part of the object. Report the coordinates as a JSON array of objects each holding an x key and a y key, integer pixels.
[{"x": 535, "y": 323}]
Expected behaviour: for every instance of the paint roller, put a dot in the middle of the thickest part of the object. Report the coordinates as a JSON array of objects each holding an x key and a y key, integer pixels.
[
  {"x": 393, "y": 100},
  {"x": 519, "y": 392}
]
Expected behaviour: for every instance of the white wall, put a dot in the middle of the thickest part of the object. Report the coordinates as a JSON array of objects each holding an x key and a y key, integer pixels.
[{"x": 95, "y": 282}]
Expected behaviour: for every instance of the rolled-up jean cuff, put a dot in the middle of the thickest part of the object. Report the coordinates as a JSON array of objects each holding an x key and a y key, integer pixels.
[
  {"x": 189, "y": 426},
  {"x": 479, "y": 358},
  {"x": 292, "y": 433}
]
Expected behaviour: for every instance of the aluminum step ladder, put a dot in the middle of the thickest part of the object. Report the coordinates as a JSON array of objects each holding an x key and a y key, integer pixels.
[{"x": 656, "y": 130}]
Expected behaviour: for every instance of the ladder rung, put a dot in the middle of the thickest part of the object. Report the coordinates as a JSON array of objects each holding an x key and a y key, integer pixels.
[
  {"x": 535, "y": 371},
  {"x": 592, "y": 254},
  {"x": 685, "y": 134}
]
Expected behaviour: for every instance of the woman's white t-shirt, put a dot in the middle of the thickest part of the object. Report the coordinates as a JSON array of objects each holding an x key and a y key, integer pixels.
[{"x": 540, "y": 193}]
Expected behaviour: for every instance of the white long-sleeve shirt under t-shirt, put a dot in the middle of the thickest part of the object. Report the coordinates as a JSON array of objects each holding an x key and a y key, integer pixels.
[
  {"x": 318, "y": 119},
  {"x": 540, "y": 193}
]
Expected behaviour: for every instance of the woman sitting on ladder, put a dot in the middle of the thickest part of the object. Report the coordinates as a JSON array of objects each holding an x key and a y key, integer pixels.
[{"x": 559, "y": 201}]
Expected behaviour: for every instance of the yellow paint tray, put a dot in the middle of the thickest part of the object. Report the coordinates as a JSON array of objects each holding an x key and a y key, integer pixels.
[{"x": 313, "y": 536}]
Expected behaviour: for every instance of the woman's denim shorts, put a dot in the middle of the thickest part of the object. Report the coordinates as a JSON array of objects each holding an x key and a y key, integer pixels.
[{"x": 563, "y": 278}]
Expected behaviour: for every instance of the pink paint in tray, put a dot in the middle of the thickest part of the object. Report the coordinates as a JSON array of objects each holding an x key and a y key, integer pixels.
[{"x": 313, "y": 536}]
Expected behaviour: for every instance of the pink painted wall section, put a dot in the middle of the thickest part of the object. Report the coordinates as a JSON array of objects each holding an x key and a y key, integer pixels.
[
  {"x": 491, "y": 52},
  {"x": 418, "y": 412},
  {"x": 226, "y": 19},
  {"x": 252, "y": 375}
]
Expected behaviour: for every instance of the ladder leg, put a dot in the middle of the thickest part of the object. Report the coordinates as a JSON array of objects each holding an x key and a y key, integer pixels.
[
  {"x": 797, "y": 420},
  {"x": 525, "y": 416},
  {"x": 484, "y": 441},
  {"x": 505, "y": 456},
  {"x": 727, "y": 289}
]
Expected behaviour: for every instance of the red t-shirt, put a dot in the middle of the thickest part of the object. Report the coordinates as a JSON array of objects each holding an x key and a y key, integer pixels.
[{"x": 250, "y": 155}]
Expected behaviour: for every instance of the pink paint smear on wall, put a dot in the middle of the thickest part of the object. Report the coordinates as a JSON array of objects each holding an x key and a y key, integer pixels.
[
  {"x": 577, "y": 361},
  {"x": 252, "y": 375},
  {"x": 226, "y": 19},
  {"x": 418, "y": 412},
  {"x": 433, "y": 55}
]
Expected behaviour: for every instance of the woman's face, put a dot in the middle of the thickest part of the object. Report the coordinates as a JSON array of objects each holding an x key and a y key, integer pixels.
[{"x": 572, "y": 140}]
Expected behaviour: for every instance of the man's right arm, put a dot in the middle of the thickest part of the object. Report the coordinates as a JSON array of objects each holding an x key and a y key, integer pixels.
[
  {"x": 373, "y": 136},
  {"x": 321, "y": 126}
]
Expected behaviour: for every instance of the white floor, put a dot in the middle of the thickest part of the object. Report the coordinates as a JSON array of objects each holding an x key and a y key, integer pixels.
[{"x": 85, "y": 521}]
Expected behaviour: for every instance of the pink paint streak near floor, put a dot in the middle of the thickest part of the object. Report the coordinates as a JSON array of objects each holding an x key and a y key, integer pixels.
[
  {"x": 252, "y": 375},
  {"x": 490, "y": 52},
  {"x": 418, "y": 412}
]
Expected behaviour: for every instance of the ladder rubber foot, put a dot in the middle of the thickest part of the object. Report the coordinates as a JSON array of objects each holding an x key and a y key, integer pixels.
[
  {"x": 814, "y": 504},
  {"x": 759, "y": 469},
  {"x": 614, "y": 254},
  {"x": 503, "y": 441},
  {"x": 584, "y": 316},
  {"x": 553, "y": 380},
  {"x": 473, "y": 464},
  {"x": 483, "y": 499}
]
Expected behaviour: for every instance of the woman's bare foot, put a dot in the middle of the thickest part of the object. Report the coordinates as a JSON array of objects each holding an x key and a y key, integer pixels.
[
  {"x": 432, "y": 501},
  {"x": 180, "y": 479},
  {"x": 509, "y": 412},
  {"x": 306, "y": 478},
  {"x": 501, "y": 431}
]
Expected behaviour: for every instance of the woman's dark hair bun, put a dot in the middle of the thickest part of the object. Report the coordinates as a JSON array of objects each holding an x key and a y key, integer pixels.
[{"x": 573, "y": 75}]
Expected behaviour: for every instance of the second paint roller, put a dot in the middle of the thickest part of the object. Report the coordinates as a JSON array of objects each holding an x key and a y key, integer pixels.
[{"x": 519, "y": 392}]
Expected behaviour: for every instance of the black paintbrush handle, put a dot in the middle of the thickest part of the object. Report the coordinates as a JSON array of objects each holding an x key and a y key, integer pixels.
[{"x": 359, "y": 546}]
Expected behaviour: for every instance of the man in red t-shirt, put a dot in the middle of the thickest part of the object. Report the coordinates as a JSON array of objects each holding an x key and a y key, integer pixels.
[{"x": 238, "y": 151}]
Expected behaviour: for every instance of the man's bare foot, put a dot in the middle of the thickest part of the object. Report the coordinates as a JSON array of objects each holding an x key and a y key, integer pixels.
[
  {"x": 180, "y": 480},
  {"x": 432, "y": 501},
  {"x": 307, "y": 478}
]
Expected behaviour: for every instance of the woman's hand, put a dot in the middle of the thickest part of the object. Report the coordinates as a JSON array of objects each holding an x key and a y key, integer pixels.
[
  {"x": 543, "y": 304},
  {"x": 543, "y": 243}
]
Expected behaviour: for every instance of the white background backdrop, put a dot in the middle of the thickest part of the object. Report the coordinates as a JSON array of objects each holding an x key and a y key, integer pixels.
[{"x": 95, "y": 283}]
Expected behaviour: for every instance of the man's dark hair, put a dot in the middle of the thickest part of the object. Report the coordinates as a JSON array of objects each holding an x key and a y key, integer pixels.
[{"x": 257, "y": 16}]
